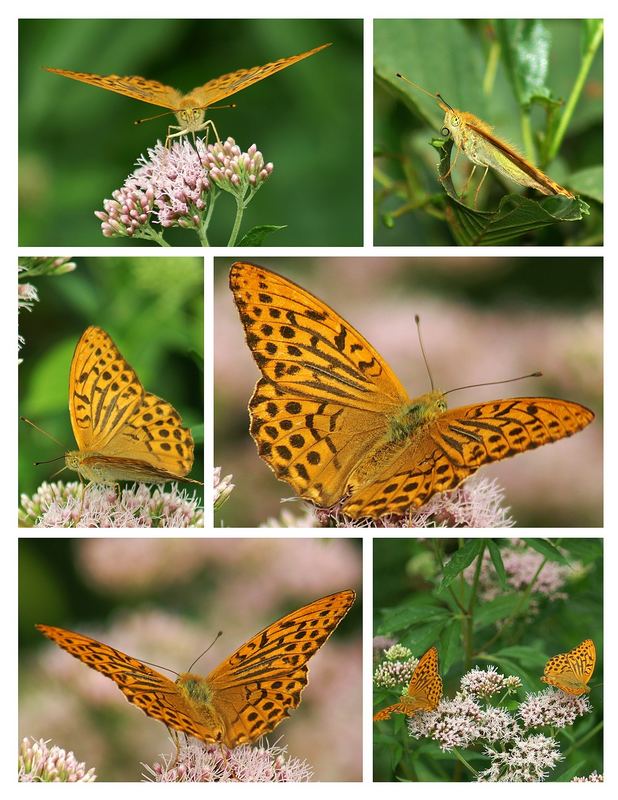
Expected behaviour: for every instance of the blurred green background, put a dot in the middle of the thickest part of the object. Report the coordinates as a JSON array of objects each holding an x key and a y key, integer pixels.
[
  {"x": 483, "y": 319},
  {"x": 564, "y": 608},
  {"x": 153, "y": 308},
  {"x": 78, "y": 143},
  {"x": 164, "y": 600},
  {"x": 457, "y": 59}
]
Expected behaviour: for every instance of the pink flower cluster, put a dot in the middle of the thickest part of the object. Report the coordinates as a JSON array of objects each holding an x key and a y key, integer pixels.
[
  {"x": 173, "y": 186},
  {"x": 525, "y": 759},
  {"x": 552, "y": 707},
  {"x": 39, "y": 763},
  {"x": 521, "y": 564},
  {"x": 60, "y": 505},
  {"x": 209, "y": 763}
]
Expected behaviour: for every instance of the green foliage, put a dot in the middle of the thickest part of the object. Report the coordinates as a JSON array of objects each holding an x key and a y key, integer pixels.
[
  {"x": 519, "y": 76},
  {"x": 78, "y": 143},
  {"x": 516, "y": 631},
  {"x": 153, "y": 308},
  {"x": 255, "y": 237}
]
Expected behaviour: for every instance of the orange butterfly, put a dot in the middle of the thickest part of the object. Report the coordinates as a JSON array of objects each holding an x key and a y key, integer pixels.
[
  {"x": 424, "y": 691},
  {"x": 123, "y": 432},
  {"x": 571, "y": 671},
  {"x": 245, "y": 697},
  {"x": 331, "y": 418},
  {"x": 189, "y": 108}
]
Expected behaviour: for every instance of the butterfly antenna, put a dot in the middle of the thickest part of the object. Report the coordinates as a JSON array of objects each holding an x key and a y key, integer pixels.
[
  {"x": 205, "y": 651},
  {"x": 49, "y": 436},
  {"x": 495, "y": 383},
  {"x": 437, "y": 96},
  {"x": 417, "y": 319},
  {"x": 158, "y": 666},
  {"x": 218, "y": 108},
  {"x": 156, "y": 116},
  {"x": 416, "y": 86}
]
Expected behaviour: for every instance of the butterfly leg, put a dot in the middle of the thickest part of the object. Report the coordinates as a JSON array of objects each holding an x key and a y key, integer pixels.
[
  {"x": 478, "y": 188},
  {"x": 174, "y": 736},
  {"x": 452, "y": 164},
  {"x": 464, "y": 191},
  {"x": 210, "y": 124},
  {"x": 180, "y": 131}
]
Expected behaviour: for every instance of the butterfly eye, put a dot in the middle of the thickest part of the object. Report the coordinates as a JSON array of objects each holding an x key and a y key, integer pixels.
[{"x": 445, "y": 131}]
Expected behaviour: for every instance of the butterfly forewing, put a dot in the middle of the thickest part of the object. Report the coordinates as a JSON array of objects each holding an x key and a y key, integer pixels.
[
  {"x": 459, "y": 442},
  {"x": 326, "y": 393},
  {"x": 122, "y": 432},
  {"x": 227, "y": 85},
  {"x": 104, "y": 391},
  {"x": 156, "y": 695},
  {"x": 262, "y": 681},
  {"x": 129, "y": 85}
]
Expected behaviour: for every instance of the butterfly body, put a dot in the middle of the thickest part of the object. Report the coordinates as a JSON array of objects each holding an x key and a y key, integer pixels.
[
  {"x": 424, "y": 690},
  {"x": 245, "y": 697},
  {"x": 572, "y": 671},
  {"x": 122, "y": 431},
  {"x": 332, "y": 420},
  {"x": 476, "y": 140}
]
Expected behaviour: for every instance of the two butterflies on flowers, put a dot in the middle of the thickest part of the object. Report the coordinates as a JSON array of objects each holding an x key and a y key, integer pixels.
[{"x": 570, "y": 672}]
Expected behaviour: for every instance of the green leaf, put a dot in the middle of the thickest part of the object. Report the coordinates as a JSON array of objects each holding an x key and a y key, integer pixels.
[
  {"x": 402, "y": 617},
  {"x": 525, "y": 47},
  {"x": 588, "y": 182},
  {"x": 461, "y": 559},
  {"x": 528, "y": 656},
  {"x": 499, "y": 608},
  {"x": 585, "y": 550},
  {"x": 547, "y": 549},
  {"x": 496, "y": 557},
  {"x": 515, "y": 215},
  {"x": 257, "y": 234},
  {"x": 570, "y": 771}
]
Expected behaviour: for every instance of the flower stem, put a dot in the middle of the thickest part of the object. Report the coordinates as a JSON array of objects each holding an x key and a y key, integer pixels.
[
  {"x": 240, "y": 210},
  {"x": 463, "y": 761},
  {"x": 578, "y": 86},
  {"x": 152, "y": 235}
]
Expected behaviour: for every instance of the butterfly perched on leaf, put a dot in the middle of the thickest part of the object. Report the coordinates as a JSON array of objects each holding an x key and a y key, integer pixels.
[
  {"x": 332, "y": 420},
  {"x": 572, "y": 671},
  {"x": 242, "y": 699},
  {"x": 189, "y": 108},
  {"x": 424, "y": 690},
  {"x": 122, "y": 431}
]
